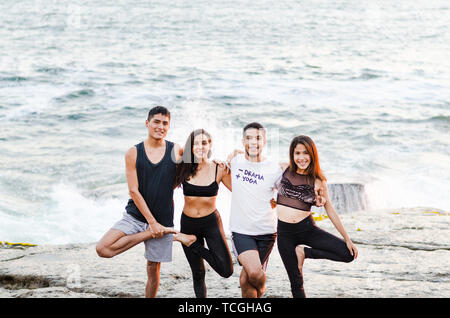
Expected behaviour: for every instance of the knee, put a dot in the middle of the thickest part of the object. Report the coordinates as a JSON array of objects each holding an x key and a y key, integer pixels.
[
  {"x": 226, "y": 268},
  {"x": 256, "y": 276},
  {"x": 348, "y": 257},
  {"x": 153, "y": 269},
  {"x": 103, "y": 251},
  {"x": 152, "y": 266},
  {"x": 227, "y": 272}
]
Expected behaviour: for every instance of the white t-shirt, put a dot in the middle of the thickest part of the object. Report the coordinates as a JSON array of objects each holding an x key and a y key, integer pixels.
[{"x": 253, "y": 186}]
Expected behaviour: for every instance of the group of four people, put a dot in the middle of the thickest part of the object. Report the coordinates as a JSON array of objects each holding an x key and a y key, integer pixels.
[{"x": 155, "y": 167}]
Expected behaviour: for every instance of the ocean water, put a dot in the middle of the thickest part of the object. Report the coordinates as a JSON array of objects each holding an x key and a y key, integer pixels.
[{"x": 368, "y": 81}]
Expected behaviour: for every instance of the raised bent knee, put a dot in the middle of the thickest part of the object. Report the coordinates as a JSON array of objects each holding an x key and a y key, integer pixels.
[
  {"x": 227, "y": 272},
  {"x": 103, "y": 251},
  {"x": 348, "y": 257},
  {"x": 224, "y": 268}
]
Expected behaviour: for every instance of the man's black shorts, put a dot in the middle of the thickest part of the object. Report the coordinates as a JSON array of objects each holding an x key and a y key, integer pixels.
[{"x": 261, "y": 243}]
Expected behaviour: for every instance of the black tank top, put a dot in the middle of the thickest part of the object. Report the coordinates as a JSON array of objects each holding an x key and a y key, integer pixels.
[
  {"x": 296, "y": 191},
  {"x": 193, "y": 190},
  {"x": 156, "y": 182}
]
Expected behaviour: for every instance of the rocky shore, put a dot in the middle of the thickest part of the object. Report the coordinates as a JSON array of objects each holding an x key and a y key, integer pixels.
[{"x": 391, "y": 263}]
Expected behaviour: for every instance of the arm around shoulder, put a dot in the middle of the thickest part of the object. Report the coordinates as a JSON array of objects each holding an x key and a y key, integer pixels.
[
  {"x": 225, "y": 177},
  {"x": 178, "y": 152}
]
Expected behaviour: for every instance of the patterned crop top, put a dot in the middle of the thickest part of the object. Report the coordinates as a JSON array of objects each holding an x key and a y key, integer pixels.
[{"x": 296, "y": 191}]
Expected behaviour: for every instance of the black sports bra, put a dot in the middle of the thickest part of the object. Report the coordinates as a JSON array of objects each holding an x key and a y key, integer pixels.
[
  {"x": 296, "y": 191},
  {"x": 193, "y": 190}
]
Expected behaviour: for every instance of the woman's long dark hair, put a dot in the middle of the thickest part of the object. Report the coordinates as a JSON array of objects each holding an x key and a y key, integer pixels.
[
  {"x": 313, "y": 169},
  {"x": 188, "y": 165}
]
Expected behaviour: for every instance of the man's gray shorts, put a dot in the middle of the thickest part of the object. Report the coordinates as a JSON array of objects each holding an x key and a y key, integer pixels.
[{"x": 157, "y": 249}]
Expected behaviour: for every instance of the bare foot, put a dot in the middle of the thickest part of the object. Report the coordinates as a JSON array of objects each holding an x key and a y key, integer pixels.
[
  {"x": 300, "y": 251},
  {"x": 185, "y": 239},
  {"x": 168, "y": 230}
]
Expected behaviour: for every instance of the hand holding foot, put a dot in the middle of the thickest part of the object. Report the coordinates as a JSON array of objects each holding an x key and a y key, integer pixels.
[
  {"x": 168, "y": 230},
  {"x": 156, "y": 230}
]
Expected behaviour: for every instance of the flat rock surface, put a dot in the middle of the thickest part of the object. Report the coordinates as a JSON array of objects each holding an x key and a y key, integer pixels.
[{"x": 393, "y": 262}]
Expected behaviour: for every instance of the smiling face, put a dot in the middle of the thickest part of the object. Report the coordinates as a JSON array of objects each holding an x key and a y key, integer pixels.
[
  {"x": 201, "y": 147},
  {"x": 254, "y": 141},
  {"x": 302, "y": 157},
  {"x": 158, "y": 126}
]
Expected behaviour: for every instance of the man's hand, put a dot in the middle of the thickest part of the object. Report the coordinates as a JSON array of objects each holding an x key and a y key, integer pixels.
[
  {"x": 232, "y": 155},
  {"x": 158, "y": 230}
]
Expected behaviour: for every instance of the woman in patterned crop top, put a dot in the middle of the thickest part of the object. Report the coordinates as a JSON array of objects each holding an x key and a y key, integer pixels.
[{"x": 301, "y": 185}]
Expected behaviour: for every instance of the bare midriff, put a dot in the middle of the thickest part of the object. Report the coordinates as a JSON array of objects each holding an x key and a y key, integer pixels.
[
  {"x": 291, "y": 215},
  {"x": 197, "y": 207}
]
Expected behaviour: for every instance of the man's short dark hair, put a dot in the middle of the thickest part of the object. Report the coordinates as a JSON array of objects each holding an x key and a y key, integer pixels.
[
  {"x": 158, "y": 110},
  {"x": 253, "y": 125}
]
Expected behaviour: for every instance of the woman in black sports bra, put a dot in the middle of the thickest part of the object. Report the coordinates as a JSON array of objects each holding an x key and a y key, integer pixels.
[
  {"x": 200, "y": 219},
  {"x": 301, "y": 186}
]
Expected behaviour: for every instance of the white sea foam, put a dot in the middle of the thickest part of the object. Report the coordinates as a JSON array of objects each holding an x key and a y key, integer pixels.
[
  {"x": 67, "y": 217},
  {"x": 366, "y": 82}
]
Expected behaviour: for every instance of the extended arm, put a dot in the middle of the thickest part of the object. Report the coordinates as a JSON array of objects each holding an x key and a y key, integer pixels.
[{"x": 334, "y": 217}]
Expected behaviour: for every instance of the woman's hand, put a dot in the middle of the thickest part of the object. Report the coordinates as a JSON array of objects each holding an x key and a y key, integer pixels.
[
  {"x": 273, "y": 203},
  {"x": 222, "y": 165},
  {"x": 352, "y": 248},
  {"x": 320, "y": 201}
]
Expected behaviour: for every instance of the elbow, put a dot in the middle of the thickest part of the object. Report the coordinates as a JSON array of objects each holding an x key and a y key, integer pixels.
[{"x": 133, "y": 193}]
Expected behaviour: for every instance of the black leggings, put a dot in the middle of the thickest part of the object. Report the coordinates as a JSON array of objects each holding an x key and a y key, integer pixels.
[
  {"x": 217, "y": 254},
  {"x": 323, "y": 245}
]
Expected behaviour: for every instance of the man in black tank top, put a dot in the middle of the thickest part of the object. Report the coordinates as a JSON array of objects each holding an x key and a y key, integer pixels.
[{"x": 150, "y": 172}]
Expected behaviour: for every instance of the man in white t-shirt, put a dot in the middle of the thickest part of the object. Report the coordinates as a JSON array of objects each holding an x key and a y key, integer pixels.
[{"x": 253, "y": 222}]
